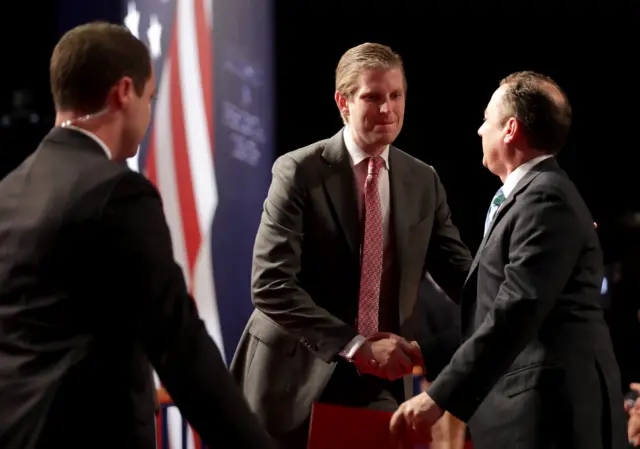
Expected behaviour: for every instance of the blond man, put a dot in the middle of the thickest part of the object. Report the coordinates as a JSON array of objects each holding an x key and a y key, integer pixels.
[{"x": 350, "y": 227}]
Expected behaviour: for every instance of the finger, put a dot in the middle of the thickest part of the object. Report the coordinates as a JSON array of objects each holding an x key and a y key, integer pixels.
[
  {"x": 393, "y": 371},
  {"x": 417, "y": 358},
  {"x": 395, "y": 424},
  {"x": 413, "y": 351},
  {"x": 397, "y": 338},
  {"x": 380, "y": 336},
  {"x": 403, "y": 364},
  {"x": 412, "y": 435},
  {"x": 635, "y": 387}
]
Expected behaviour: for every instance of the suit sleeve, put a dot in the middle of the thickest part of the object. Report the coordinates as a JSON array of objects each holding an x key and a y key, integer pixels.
[
  {"x": 448, "y": 259},
  {"x": 165, "y": 318},
  {"x": 276, "y": 265},
  {"x": 544, "y": 246},
  {"x": 448, "y": 262}
]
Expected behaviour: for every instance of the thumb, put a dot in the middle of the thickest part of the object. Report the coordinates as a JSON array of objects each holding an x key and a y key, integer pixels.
[
  {"x": 380, "y": 336},
  {"x": 415, "y": 353}
]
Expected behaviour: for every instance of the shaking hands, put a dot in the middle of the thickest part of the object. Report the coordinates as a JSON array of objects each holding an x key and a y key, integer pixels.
[{"x": 388, "y": 356}]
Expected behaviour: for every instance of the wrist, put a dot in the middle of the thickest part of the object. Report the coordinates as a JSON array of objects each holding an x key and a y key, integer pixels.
[
  {"x": 352, "y": 347},
  {"x": 364, "y": 358},
  {"x": 363, "y": 351}
]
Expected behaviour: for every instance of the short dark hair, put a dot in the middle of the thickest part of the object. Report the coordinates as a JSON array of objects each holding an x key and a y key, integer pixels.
[
  {"x": 90, "y": 59},
  {"x": 542, "y": 108}
]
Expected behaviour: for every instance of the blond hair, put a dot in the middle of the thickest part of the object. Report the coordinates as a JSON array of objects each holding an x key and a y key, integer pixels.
[{"x": 360, "y": 58}]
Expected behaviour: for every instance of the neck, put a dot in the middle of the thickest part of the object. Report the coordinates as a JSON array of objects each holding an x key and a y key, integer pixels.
[
  {"x": 97, "y": 127},
  {"x": 520, "y": 157},
  {"x": 373, "y": 150}
]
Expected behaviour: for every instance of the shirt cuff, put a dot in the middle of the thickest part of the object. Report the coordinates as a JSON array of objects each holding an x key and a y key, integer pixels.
[{"x": 352, "y": 347}]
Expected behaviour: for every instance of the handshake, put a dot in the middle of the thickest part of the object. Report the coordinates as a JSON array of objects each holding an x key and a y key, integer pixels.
[{"x": 388, "y": 356}]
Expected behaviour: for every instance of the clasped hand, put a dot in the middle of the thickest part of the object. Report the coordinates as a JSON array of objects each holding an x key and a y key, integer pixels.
[
  {"x": 633, "y": 427},
  {"x": 412, "y": 422},
  {"x": 388, "y": 356}
]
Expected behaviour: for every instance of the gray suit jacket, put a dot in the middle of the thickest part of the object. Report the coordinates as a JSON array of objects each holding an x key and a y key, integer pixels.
[
  {"x": 306, "y": 274},
  {"x": 537, "y": 369}
]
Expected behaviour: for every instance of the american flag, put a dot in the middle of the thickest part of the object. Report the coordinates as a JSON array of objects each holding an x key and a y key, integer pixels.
[{"x": 177, "y": 153}]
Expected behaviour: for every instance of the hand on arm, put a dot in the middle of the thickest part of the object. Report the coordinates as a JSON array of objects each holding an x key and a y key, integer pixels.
[
  {"x": 412, "y": 422},
  {"x": 633, "y": 426}
]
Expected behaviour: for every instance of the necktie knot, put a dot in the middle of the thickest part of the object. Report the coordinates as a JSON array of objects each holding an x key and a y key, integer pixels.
[
  {"x": 498, "y": 198},
  {"x": 375, "y": 163}
]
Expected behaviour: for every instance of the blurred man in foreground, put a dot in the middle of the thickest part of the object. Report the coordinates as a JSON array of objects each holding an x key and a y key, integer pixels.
[
  {"x": 350, "y": 226},
  {"x": 537, "y": 369},
  {"x": 89, "y": 290}
]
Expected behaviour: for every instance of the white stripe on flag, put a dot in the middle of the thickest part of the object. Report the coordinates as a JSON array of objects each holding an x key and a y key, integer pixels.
[
  {"x": 201, "y": 164},
  {"x": 195, "y": 117},
  {"x": 166, "y": 172}
]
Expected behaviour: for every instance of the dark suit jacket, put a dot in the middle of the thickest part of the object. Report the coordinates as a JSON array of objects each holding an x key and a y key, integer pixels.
[
  {"x": 537, "y": 369},
  {"x": 306, "y": 274},
  {"x": 89, "y": 294}
]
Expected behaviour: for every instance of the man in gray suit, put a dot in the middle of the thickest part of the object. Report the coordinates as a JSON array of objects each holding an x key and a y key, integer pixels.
[
  {"x": 537, "y": 369},
  {"x": 349, "y": 228}
]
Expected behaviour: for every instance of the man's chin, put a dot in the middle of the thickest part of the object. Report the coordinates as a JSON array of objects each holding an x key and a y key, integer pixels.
[{"x": 386, "y": 135}]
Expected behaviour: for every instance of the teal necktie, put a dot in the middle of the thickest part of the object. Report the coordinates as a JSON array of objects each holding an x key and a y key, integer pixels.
[{"x": 497, "y": 200}]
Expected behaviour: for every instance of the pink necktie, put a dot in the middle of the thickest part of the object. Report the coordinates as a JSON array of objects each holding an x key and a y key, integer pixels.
[{"x": 372, "y": 249}]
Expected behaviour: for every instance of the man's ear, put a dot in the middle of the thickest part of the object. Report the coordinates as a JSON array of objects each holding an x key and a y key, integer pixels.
[
  {"x": 343, "y": 103},
  {"x": 124, "y": 91}
]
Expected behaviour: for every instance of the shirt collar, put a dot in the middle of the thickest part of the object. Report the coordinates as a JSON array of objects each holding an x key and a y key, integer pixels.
[
  {"x": 356, "y": 154},
  {"x": 95, "y": 138},
  {"x": 515, "y": 176}
]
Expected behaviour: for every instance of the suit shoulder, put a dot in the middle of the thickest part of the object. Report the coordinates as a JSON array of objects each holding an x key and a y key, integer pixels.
[
  {"x": 555, "y": 186},
  {"x": 554, "y": 182},
  {"x": 301, "y": 162},
  {"x": 129, "y": 182},
  {"x": 415, "y": 164},
  {"x": 306, "y": 154}
]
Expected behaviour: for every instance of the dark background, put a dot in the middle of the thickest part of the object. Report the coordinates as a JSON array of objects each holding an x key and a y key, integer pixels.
[{"x": 455, "y": 53}]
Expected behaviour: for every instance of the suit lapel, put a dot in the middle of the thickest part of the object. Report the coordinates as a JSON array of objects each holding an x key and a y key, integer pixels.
[
  {"x": 545, "y": 165},
  {"x": 339, "y": 183}
]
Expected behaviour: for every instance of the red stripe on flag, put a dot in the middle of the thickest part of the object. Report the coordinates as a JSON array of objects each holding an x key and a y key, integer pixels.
[
  {"x": 205, "y": 56},
  {"x": 190, "y": 224},
  {"x": 159, "y": 442}
]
